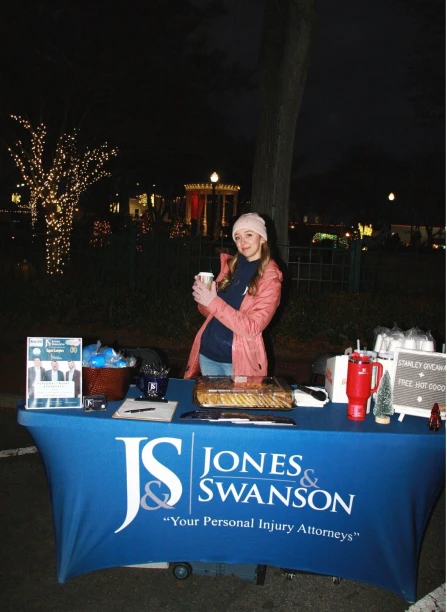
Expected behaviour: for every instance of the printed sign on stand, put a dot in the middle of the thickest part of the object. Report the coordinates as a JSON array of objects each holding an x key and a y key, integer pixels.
[
  {"x": 419, "y": 382},
  {"x": 54, "y": 373}
]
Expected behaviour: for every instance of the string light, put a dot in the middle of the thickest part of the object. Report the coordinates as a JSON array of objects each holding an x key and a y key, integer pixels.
[
  {"x": 145, "y": 224},
  {"x": 178, "y": 230},
  {"x": 101, "y": 232},
  {"x": 145, "y": 227},
  {"x": 365, "y": 230},
  {"x": 57, "y": 189},
  {"x": 336, "y": 239},
  {"x": 142, "y": 200}
]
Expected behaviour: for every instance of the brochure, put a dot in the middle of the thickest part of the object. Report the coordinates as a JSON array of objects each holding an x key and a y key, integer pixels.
[{"x": 54, "y": 373}]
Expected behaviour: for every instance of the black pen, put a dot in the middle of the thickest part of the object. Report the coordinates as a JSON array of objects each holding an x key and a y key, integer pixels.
[{"x": 140, "y": 410}]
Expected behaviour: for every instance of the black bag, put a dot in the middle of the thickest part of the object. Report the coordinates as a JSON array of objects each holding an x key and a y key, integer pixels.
[{"x": 144, "y": 356}]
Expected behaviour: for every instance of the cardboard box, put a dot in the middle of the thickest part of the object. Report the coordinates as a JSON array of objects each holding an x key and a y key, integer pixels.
[{"x": 335, "y": 379}]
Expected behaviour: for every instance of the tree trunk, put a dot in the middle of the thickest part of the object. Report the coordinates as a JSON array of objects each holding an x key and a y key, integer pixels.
[
  {"x": 284, "y": 59},
  {"x": 429, "y": 230}
]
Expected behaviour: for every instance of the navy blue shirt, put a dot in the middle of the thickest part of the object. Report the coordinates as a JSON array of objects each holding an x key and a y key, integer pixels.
[{"x": 217, "y": 339}]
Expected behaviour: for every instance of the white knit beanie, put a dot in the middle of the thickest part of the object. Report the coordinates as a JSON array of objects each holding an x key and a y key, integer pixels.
[{"x": 251, "y": 221}]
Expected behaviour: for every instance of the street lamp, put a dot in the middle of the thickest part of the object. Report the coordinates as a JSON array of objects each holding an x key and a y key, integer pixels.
[
  {"x": 214, "y": 178},
  {"x": 391, "y": 198}
]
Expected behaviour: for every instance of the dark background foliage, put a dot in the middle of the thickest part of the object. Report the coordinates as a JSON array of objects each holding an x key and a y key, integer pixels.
[{"x": 107, "y": 313}]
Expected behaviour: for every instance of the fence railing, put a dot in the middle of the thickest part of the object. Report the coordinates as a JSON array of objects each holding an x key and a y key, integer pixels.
[{"x": 159, "y": 262}]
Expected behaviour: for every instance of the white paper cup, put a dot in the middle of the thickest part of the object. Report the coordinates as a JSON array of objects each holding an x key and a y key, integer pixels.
[
  {"x": 386, "y": 340},
  {"x": 420, "y": 341},
  {"x": 206, "y": 278},
  {"x": 379, "y": 342},
  {"x": 410, "y": 343},
  {"x": 428, "y": 345},
  {"x": 396, "y": 343}
]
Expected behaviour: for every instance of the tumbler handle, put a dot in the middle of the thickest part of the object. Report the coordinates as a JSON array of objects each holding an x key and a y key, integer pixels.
[{"x": 376, "y": 364}]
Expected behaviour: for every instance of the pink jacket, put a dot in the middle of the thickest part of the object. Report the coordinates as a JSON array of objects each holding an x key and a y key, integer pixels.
[{"x": 247, "y": 323}]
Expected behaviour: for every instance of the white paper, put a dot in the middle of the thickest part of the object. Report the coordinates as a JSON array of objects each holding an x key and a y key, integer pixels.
[
  {"x": 304, "y": 399},
  {"x": 49, "y": 388},
  {"x": 159, "y": 411}
]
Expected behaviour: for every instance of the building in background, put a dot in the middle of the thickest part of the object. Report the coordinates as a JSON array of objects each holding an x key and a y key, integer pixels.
[{"x": 209, "y": 205}]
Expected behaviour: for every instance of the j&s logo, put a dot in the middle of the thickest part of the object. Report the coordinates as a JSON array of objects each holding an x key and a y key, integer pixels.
[
  {"x": 151, "y": 499},
  {"x": 223, "y": 476}
]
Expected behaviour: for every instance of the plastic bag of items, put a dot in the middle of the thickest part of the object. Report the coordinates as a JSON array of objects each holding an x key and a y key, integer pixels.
[
  {"x": 388, "y": 340},
  {"x": 97, "y": 356}
]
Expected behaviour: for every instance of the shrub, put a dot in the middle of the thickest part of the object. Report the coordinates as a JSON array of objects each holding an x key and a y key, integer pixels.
[
  {"x": 344, "y": 318},
  {"x": 340, "y": 319}
]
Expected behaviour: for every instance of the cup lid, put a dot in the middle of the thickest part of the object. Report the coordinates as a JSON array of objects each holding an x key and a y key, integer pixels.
[
  {"x": 206, "y": 274},
  {"x": 360, "y": 357},
  {"x": 386, "y": 355}
]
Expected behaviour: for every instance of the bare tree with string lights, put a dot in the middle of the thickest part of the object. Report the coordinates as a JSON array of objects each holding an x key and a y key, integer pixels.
[{"x": 56, "y": 186}]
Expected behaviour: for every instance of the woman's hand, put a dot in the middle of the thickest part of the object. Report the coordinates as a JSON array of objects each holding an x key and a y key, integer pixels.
[{"x": 202, "y": 294}]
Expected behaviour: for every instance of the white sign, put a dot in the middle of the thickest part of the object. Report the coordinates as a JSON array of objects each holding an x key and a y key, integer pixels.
[{"x": 419, "y": 382}]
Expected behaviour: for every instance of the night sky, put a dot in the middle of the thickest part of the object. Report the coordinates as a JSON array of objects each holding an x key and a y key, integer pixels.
[
  {"x": 376, "y": 79},
  {"x": 357, "y": 90}
]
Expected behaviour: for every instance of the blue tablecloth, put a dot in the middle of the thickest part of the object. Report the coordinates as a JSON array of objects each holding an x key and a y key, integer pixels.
[{"x": 331, "y": 496}]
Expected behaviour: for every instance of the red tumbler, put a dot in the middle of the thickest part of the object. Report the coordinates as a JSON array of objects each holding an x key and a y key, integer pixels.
[{"x": 358, "y": 384}]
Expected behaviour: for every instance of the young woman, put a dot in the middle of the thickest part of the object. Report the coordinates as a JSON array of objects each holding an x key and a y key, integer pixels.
[{"x": 238, "y": 307}]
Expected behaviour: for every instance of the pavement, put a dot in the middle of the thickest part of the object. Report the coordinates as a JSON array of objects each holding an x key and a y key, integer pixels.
[{"x": 28, "y": 566}]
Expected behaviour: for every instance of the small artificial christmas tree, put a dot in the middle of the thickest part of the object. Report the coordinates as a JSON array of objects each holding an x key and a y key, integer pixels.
[{"x": 383, "y": 407}]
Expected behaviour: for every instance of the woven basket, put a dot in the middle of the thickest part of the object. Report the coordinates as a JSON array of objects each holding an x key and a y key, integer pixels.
[{"x": 111, "y": 382}]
